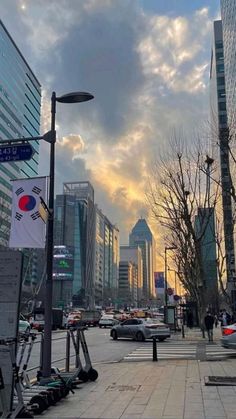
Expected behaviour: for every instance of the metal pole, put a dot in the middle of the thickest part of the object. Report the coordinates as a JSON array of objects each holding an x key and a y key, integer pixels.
[
  {"x": 154, "y": 349},
  {"x": 47, "y": 344},
  {"x": 67, "y": 366},
  {"x": 166, "y": 276}
]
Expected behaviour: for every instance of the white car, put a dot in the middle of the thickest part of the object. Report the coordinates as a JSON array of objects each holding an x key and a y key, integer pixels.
[
  {"x": 108, "y": 321},
  {"x": 141, "y": 329},
  {"x": 24, "y": 325},
  {"x": 228, "y": 339}
]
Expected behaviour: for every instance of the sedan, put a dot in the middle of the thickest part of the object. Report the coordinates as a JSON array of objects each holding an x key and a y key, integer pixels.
[
  {"x": 107, "y": 322},
  {"x": 228, "y": 339},
  {"x": 24, "y": 326},
  {"x": 141, "y": 329}
]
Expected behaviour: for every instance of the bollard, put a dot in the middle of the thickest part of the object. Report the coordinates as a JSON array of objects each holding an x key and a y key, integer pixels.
[
  {"x": 67, "y": 366},
  {"x": 183, "y": 334},
  {"x": 41, "y": 352},
  {"x": 77, "y": 348},
  {"x": 154, "y": 350}
]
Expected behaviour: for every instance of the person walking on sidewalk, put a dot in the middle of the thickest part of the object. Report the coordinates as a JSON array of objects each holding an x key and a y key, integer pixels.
[{"x": 209, "y": 323}]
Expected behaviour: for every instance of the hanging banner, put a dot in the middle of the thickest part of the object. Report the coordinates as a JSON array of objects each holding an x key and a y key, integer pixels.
[
  {"x": 159, "y": 283},
  {"x": 27, "y": 227}
]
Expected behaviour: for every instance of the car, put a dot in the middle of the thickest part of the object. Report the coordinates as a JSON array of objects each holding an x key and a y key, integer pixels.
[
  {"x": 228, "y": 339},
  {"x": 24, "y": 325},
  {"x": 107, "y": 321},
  {"x": 141, "y": 329}
]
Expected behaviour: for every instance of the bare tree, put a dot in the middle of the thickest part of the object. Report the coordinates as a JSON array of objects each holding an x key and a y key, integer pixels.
[{"x": 181, "y": 200}]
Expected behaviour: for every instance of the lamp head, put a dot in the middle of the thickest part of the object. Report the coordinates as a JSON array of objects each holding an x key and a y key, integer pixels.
[{"x": 75, "y": 97}]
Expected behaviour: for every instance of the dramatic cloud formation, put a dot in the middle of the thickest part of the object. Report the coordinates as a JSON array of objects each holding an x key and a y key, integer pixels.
[{"x": 148, "y": 72}]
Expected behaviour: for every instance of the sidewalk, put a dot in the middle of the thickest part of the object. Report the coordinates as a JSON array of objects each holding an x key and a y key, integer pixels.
[{"x": 172, "y": 389}]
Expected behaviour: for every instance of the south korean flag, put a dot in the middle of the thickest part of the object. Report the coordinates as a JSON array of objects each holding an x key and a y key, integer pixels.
[{"x": 28, "y": 230}]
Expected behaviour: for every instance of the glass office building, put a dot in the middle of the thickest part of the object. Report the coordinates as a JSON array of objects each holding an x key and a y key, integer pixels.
[
  {"x": 20, "y": 102},
  {"x": 75, "y": 228},
  {"x": 228, "y": 14}
]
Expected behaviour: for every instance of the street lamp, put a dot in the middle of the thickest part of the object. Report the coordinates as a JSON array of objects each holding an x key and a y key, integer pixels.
[
  {"x": 74, "y": 97},
  {"x": 166, "y": 282},
  {"x": 50, "y": 137}
]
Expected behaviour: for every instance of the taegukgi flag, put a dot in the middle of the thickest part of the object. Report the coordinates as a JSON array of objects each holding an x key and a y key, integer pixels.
[{"x": 27, "y": 227}]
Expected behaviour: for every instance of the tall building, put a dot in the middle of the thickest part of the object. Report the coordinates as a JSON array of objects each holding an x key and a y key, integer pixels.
[
  {"x": 128, "y": 284},
  {"x": 20, "y": 102},
  {"x": 205, "y": 230},
  {"x": 141, "y": 236},
  {"x": 228, "y": 14},
  {"x": 106, "y": 260},
  {"x": 220, "y": 137},
  {"x": 75, "y": 229},
  {"x": 133, "y": 254}
]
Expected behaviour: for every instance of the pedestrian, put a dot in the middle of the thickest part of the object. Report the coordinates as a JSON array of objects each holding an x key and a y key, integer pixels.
[
  {"x": 225, "y": 318},
  {"x": 216, "y": 320},
  {"x": 209, "y": 322}
]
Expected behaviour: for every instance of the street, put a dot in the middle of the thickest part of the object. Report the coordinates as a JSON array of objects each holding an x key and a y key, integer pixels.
[{"x": 101, "y": 348}]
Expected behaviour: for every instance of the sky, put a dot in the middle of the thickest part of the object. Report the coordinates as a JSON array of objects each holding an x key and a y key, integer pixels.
[{"x": 147, "y": 64}]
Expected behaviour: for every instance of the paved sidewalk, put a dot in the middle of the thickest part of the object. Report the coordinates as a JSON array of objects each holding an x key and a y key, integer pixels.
[{"x": 148, "y": 390}]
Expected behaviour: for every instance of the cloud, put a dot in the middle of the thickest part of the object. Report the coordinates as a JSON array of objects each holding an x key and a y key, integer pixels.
[{"x": 148, "y": 73}]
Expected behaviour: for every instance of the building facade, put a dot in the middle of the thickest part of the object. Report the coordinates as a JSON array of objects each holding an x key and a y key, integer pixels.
[
  {"x": 106, "y": 261},
  {"x": 75, "y": 228},
  {"x": 205, "y": 230},
  {"x": 141, "y": 236},
  {"x": 20, "y": 102},
  {"x": 228, "y": 14},
  {"x": 128, "y": 284},
  {"x": 220, "y": 135},
  {"x": 133, "y": 254}
]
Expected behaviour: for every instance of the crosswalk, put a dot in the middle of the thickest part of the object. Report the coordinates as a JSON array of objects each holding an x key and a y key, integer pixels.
[{"x": 179, "y": 350}]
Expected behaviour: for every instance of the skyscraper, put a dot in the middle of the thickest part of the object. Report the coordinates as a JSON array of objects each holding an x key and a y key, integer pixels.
[
  {"x": 228, "y": 14},
  {"x": 75, "y": 228},
  {"x": 220, "y": 137},
  {"x": 106, "y": 260},
  {"x": 141, "y": 236},
  {"x": 20, "y": 101}
]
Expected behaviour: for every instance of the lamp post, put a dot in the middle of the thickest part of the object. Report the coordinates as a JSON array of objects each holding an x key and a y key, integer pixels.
[
  {"x": 74, "y": 97},
  {"x": 50, "y": 137},
  {"x": 166, "y": 282}
]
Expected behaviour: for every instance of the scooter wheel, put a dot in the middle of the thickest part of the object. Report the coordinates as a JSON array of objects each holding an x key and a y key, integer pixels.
[
  {"x": 92, "y": 374},
  {"x": 83, "y": 376},
  {"x": 42, "y": 405}
]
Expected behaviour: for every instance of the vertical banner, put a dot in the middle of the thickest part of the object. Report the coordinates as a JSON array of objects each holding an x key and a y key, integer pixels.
[
  {"x": 159, "y": 283},
  {"x": 27, "y": 227}
]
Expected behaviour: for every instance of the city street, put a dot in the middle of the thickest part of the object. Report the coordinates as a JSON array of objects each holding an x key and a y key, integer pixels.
[{"x": 101, "y": 348}]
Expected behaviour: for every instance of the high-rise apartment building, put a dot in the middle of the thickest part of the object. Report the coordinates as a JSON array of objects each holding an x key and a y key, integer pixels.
[
  {"x": 220, "y": 136},
  {"x": 20, "y": 101},
  {"x": 141, "y": 236}
]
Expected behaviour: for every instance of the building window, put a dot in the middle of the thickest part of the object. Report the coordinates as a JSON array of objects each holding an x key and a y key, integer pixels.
[
  {"x": 220, "y": 68},
  {"x": 222, "y": 106}
]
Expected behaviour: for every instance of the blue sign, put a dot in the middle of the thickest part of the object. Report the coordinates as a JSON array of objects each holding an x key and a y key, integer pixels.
[{"x": 17, "y": 152}]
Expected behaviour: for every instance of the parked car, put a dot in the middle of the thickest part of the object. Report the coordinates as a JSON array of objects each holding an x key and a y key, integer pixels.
[
  {"x": 141, "y": 329},
  {"x": 24, "y": 325},
  {"x": 108, "y": 321},
  {"x": 228, "y": 339}
]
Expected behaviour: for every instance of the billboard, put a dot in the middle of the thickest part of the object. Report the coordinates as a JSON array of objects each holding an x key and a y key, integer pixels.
[
  {"x": 159, "y": 283},
  {"x": 63, "y": 263}
]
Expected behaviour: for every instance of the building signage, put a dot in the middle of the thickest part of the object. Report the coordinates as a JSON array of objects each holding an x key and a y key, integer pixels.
[
  {"x": 17, "y": 152},
  {"x": 63, "y": 263}
]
